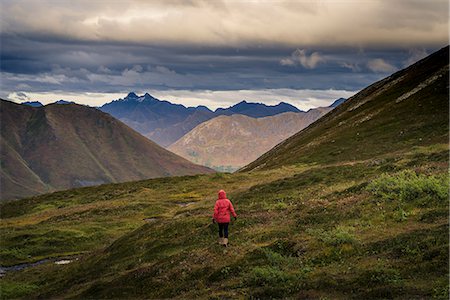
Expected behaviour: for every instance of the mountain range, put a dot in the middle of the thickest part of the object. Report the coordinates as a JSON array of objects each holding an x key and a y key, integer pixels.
[
  {"x": 256, "y": 110},
  {"x": 64, "y": 146},
  {"x": 39, "y": 104},
  {"x": 164, "y": 122},
  {"x": 229, "y": 142}
]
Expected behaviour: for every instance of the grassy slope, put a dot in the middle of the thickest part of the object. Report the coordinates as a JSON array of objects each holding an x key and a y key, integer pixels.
[
  {"x": 309, "y": 231},
  {"x": 348, "y": 226}
]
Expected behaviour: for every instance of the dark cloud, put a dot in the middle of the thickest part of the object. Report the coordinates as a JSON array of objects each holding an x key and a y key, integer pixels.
[
  {"x": 111, "y": 47},
  {"x": 95, "y": 67}
]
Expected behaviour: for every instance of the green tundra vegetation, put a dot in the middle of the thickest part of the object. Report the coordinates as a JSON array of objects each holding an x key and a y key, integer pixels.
[{"x": 354, "y": 206}]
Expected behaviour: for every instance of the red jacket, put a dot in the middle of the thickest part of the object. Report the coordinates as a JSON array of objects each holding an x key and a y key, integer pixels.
[{"x": 223, "y": 208}]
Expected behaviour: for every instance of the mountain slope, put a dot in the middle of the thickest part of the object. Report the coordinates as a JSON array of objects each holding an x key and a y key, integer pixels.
[
  {"x": 164, "y": 122},
  {"x": 64, "y": 146},
  {"x": 230, "y": 142},
  {"x": 167, "y": 135},
  {"x": 408, "y": 108}
]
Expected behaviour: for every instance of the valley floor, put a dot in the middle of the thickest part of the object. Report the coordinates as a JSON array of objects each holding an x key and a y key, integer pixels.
[{"x": 362, "y": 229}]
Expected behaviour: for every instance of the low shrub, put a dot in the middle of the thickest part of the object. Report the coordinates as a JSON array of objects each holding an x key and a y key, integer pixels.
[
  {"x": 269, "y": 276},
  {"x": 271, "y": 282},
  {"x": 408, "y": 186},
  {"x": 338, "y": 236},
  {"x": 380, "y": 275},
  {"x": 13, "y": 290},
  {"x": 441, "y": 291}
]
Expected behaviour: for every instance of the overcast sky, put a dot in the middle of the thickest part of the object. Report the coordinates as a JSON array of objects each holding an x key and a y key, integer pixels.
[{"x": 214, "y": 53}]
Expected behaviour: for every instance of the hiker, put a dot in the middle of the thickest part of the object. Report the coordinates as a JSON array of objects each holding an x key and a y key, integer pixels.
[{"x": 222, "y": 211}]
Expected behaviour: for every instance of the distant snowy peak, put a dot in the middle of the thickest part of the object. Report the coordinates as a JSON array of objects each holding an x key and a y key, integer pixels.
[
  {"x": 39, "y": 104},
  {"x": 63, "y": 102},
  {"x": 337, "y": 102},
  {"x": 257, "y": 110},
  {"x": 288, "y": 106},
  {"x": 33, "y": 103},
  {"x": 245, "y": 104},
  {"x": 199, "y": 108},
  {"x": 133, "y": 97}
]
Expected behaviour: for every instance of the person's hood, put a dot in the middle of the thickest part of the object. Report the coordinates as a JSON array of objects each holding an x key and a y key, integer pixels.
[{"x": 222, "y": 194}]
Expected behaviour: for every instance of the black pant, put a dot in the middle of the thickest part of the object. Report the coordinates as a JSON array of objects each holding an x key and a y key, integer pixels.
[{"x": 223, "y": 230}]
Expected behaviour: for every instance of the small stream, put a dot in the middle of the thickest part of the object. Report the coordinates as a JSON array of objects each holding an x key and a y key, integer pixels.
[{"x": 20, "y": 267}]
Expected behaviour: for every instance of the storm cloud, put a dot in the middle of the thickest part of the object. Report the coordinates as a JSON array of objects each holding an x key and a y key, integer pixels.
[{"x": 207, "y": 47}]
